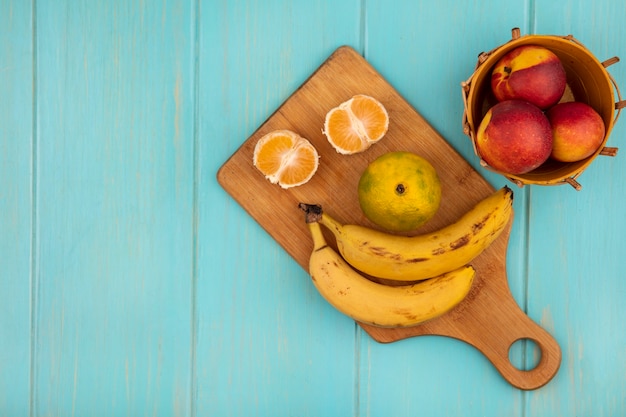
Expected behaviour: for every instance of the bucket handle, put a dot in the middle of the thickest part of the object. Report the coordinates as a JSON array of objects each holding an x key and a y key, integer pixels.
[{"x": 620, "y": 104}]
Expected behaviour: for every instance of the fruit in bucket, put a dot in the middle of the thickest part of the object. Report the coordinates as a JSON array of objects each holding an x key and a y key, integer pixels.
[
  {"x": 399, "y": 191},
  {"x": 578, "y": 131},
  {"x": 514, "y": 137},
  {"x": 529, "y": 72}
]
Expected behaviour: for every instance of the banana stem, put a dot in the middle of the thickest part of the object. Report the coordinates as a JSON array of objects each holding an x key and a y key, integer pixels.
[
  {"x": 319, "y": 242},
  {"x": 313, "y": 212},
  {"x": 313, "y": 216}
]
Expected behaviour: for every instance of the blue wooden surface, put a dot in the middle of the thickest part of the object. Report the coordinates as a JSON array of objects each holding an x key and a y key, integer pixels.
[{"x": 132, "y": 284}]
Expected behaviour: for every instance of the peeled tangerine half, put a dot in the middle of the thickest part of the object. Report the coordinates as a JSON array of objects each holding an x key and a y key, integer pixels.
[
  {"x": 356, "y": 124},
  {"x": 286, "y": 158}
]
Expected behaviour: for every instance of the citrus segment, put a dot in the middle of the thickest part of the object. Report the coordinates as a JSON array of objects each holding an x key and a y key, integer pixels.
[
  {"x": 372, "y": 116},
  {"x": 340, "y": 133},
  {"x": 285, "y": 158},
  {"x": 356, "y": 124},
  {"x": 399, "y": 191}
]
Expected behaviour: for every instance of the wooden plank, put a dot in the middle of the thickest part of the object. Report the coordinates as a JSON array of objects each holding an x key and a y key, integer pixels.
[
  {"x": 426, "y": 56},
  {"x": 16, "y": 204},
  {"x": 266, "y": 342},
  {"x": 576, "y": 283},
  {"x": 114, "y": 250},
  {"x": 115, "y": 175}
]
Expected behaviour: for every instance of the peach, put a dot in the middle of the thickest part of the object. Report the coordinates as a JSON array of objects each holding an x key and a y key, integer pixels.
[
  {"x": 529, "y": 72},
  {"x": 514, "y": 137},
  {"x": 577, "y": 130}
]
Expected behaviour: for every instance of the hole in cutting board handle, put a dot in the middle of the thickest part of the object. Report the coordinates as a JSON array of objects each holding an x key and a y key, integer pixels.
[{"x": 525, "y": 354}]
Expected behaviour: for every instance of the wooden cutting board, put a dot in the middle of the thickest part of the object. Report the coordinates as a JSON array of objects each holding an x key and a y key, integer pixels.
[{"x": 489, "y": 318}]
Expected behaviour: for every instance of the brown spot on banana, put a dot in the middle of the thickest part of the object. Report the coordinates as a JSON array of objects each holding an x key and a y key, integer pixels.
[
  {"x": 477, "y": 227},
  {"x": 416, "y": 260},
  {"x": 376, "y": 250},
  {"x": 406, "y": 313},
  {"x": 460, "y": 242}
]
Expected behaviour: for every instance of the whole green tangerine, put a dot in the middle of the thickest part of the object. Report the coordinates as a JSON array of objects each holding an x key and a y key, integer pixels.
[{"x": 399, "y": 191}]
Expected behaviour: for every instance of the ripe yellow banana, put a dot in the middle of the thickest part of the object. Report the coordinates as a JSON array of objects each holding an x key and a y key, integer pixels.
[
  {"x": 377, "y": 304},
  {"x": 403, "y": 258}
]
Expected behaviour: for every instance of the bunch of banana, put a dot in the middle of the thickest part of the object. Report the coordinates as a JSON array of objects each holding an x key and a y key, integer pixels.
[
  {"x": 377, "y": 304},
  {"x": 439, "y": 260}
]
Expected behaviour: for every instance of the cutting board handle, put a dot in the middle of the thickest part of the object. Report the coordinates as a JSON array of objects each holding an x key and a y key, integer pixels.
[{"x": 519, "y": 327}]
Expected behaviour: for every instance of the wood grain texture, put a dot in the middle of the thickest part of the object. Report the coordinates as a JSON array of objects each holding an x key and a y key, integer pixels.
[
  {"x": 264, "y": 345},
  {"x": 114, "y": 190},
  {"x": 16, "y": 205},
  {"x": 143, "y": 288}
]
